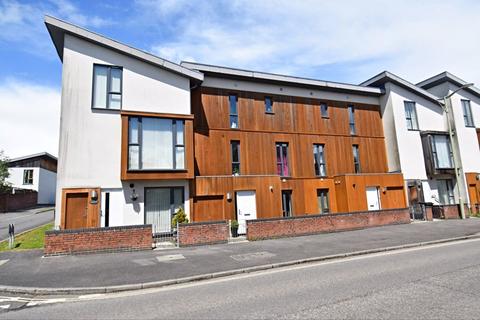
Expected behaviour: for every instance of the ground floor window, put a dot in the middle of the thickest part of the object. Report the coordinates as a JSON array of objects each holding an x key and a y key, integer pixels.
[
  {"x": 160, "y": 206},
  {"x": 445, "y": 191},
  {"x": 287, "y": 203},
  {"x": 322, "y": 199}
]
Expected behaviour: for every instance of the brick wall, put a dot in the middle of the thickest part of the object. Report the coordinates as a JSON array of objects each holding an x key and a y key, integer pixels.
[
  {"x": 311, "y": 224},
  {"x": 200, "y": 233},
  {"x": 110, "y": 239},
  {"x": 22, "y": 199},
  {"x": 450, "y": 211}
]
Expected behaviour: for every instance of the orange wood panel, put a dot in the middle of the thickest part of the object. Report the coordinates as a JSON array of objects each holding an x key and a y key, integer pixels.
[
  {"x": 73, "y": 200},
  {"x": 473, "y": 190}
]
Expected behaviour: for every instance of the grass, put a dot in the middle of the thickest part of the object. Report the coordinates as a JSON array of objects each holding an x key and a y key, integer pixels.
[{"x": 32, "y": 239}]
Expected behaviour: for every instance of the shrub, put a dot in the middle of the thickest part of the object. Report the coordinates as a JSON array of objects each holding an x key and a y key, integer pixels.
[
  {"x": 234, "y": 224},
  {"x": 179, "y": 217}
]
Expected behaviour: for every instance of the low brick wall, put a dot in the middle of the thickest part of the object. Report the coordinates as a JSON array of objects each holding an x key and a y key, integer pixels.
[
  {"x": 428, "y": 213},
  {"x": 450, "y": 211},
  {"x": 110, "y": 239},
  {"x": 22, "y": 199},
  {"x": 312, "y": 224},
  {"x": 201, "y": 233}
]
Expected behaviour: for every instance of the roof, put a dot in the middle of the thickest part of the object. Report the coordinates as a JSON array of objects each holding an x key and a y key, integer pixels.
[
  {"x": 447, "y": 77},
  {"x": 36, "y": 155},
  {"x": 272, "y": 77},
  {"x": 58, "y": 28},
  {"x": 385, "y": 76}
]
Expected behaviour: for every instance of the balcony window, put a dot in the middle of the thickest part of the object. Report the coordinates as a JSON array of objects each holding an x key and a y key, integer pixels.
[
  {"x": 107, "y": 87},
  {"x": 232, "y": 100},
  {"x": 319, "y": 160},
  {"x": 156, "y": 144},
  {"x": 411, "y": 115},
  {"x": 351, "y": 119},
  {"x": 235, "y": 148},
  {"x": 442, "y": 152},
  {"x": 467, "y": 113},
  {"x": 282, "y": 159}
]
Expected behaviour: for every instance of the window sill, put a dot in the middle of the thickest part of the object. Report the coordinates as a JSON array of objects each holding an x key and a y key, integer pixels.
[
  {"x": 270, "y": 112},
  {"x": 106, "y": 109},
  {"x": 325, "y": 117},
  {"x": 469, "y": 126},
  {"x": 413, "y": 129}
]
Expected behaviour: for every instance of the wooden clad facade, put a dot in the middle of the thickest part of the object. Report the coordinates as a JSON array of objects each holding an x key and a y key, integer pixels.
[
  {"x": 299, "y": 123},
  {"x": 473, "y": 190}
]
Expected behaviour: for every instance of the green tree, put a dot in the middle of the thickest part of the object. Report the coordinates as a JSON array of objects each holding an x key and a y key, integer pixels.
[{"x": 4, "y": 184}]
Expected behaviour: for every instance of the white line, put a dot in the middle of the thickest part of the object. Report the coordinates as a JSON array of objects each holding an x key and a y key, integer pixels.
[
  {"x": 2, "y": 262},
  {"x": 6, "y": 306}
]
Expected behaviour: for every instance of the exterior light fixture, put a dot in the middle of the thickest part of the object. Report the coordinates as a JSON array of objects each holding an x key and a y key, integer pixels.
[
  {"x": 270, "y": 188},
  {"x": 93, "y": 197},
  {"x": 134, "y": 195},
  {"x": 229, "y": 196}
]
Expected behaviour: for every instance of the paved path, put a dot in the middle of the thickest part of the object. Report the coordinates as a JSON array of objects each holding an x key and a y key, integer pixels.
[
  {"x": 437, "y": 282},
  {"x": 24, "y": 220},
  {"x": 29, "y": 269}
]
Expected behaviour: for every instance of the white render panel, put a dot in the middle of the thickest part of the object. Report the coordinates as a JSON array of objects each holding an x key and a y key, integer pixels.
[
  {"x": 393, "y": 157},
  {"x": 16, "y": 178},
  {"x": 47, "y": 185}
]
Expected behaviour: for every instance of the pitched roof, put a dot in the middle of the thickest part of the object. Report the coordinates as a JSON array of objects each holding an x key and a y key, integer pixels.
[
  {"x": 36, "y": 155},
  {"x": 58, "y": 28},
  {"x": 385, "y": 76},
  {"x": 289, "y": 80},
  {"x": 447, "y": 77}
]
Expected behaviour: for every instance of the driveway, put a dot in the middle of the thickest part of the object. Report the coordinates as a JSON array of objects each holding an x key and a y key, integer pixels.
[{"x": 25, "y": 220}]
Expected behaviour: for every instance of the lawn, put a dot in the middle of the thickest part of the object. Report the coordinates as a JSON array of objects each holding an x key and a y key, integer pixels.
[{"x": 30, "y": 240}]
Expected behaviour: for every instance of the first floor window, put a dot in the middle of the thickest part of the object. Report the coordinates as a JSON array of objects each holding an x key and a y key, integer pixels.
[
  {"x": 161, "y": 204},
  {"x": 323, "y": 202},
  {"x": 28, "y": 176},
  {"x": 442, "y": 152},
  {"x": 282, "y": 159},
  {"x": 411, "y": 115},
  {"x": 324, "y": 110},
  {"x": 467, "y": 113},
  {"x": 351, "y": 119},
  {"x": 319, "y": 160},
  {"x": 232, "y": 100},
  {"x": 235, "y": 148},
  {"x": 268, "y": 105},
  {"x": 356, "y": 158},
  {"x": 156, "y": 144},
  {"x": 107, "y": 87},
  {"x": 445, "y": 191},
  {"x": 287, "y": 203}
]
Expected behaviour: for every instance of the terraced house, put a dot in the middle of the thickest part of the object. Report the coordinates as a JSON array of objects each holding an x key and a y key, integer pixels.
[{"x": 141, "y": 137}]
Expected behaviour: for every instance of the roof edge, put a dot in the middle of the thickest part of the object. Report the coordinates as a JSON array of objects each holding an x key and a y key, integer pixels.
[
  {"x": 35, "y": 155},
  {"x": 447, "y": 77}
]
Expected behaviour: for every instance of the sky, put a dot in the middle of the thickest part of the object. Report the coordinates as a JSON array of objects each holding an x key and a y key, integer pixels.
[{"x": 344, "y": 40}]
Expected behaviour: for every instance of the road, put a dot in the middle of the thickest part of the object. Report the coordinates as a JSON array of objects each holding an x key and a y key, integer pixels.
[
  {"x": 441, "y": 281},
  {"x": 24, "y": 220}
]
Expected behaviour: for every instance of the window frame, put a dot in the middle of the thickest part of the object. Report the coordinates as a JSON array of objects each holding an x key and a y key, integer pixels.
[
  {"x": 324, "y": 110},
  {"x": 282, "y": 145},
  {"x": 450, "y": 191},
  {"x": 287, "y": 195},
  {"x": 316, "y": 160},
  {"x": 139, "y": 144},
  {"x": 28, "y": 174},
  {"x": 408, "y": 115},
  {"x": 356, "y": 158},
  {"x": 235, "y": 163},
  {"x": 435, "y": 153},
  {"x": 324, "y": 197},
  {"x": 109, "y": 83},
  {"x": 233, "y": 115},
  {"x": 271, "y": 104},
  {"x": 467, "y": 117},
  {"x": 351, "y": 120}
]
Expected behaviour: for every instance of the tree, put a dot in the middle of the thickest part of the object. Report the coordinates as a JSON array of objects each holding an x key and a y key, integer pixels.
[{"x": 4, "y": 184}]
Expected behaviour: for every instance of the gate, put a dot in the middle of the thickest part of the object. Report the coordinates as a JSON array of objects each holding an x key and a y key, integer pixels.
[{"x": 417, "y": 211}]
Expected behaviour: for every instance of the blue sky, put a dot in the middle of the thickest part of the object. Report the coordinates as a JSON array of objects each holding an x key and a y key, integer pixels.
[{"x": 345, "y": 40}]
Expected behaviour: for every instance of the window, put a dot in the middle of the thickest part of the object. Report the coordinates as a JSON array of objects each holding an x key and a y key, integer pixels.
[
  {"x": 323, "y": 202},
  {"x": 160, "y": 206},
  {"x": 282, "y": 159},
  {"x": 445, "y": 191},
  {"x": 235, "y": 147},
  {"x": 28, "y": 176},
  {"x": 232, "y": 99},
  {"x": 324, "y": 110},
  {"x": 467, "y": 113},
  {"x": 107, "y": 87},
  {"x": 287, "y": 203},
  {"x": 319, "y": 160},
  {"x": 268, "y": 105},
  {"x": 351, "y": 119},
  {"x": 442, "y": 152},
  {"x": 156, "y": 144},
  {"x": 411, "y": 115},
  {"x": 356, "y": 158}
]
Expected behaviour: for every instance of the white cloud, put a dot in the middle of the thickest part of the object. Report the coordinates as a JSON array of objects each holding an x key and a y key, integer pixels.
[
  {"x": 415, "y": 39},
  {"x": 30, "y": 117}
]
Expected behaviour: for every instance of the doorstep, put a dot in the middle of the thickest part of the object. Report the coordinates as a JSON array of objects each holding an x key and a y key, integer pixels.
[{"x": 239, "y": 239}]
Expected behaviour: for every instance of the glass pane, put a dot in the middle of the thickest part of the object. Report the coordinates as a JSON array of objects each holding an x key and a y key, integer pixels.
[
  {"x": 233, "y": 104},
  {"x": 179, "y": 125},
  {"x": 116, "y": 80},
  {"x": 443, "y": 151},
  {"x": 177, "y": 198},
  {"x": 133, "y": 153},
  {"x": 157, "y": 147},
  {"x": 158, "y": 209},
  {"x": 268, "y": 104},
  {"x": 180, "y": 157},
  {"x": 235, "y": 155},
  {"x": 233, "y": 122},
  {"x": 114, "y": 101},
  {"x": 133, "y": 130},
  {"x": 324, "y": 110},
  {"x": 100, "y": 87},
  {"x": 442, "y": 191},
  {"x": 235, "y": 168}
]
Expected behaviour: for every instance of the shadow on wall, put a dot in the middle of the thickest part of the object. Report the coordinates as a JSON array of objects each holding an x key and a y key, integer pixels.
[{"x": 132, "y": 196}]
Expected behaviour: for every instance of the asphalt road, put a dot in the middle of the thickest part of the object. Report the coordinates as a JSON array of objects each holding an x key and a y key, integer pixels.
[
  {"x": 441, "y": 281},
  {"x": 24, "y": 220}
]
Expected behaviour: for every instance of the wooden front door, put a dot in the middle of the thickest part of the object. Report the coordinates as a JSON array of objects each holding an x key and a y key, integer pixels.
[
  {"x": 473, "y": 193},
  {"x": 76, "y": 210}
]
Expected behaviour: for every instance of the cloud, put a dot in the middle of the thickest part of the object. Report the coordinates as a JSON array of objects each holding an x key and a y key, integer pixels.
[
  {"x": 30, "y": 118},
  {"x": 415, "y": 39}
]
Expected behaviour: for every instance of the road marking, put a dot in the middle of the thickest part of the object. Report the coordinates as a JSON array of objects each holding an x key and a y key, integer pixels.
[
  {"x": 91, "y": 296},
  {"x": 145, "y": 262},
  {"x": 6, "y": 306},
  {"x": 170, "y": 257},
  {"x": 2, "y": 262},
  {"x": 253, "y": 256}
]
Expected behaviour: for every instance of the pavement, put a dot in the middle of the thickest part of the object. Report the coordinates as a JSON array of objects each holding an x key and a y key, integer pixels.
[
  {"x": 137, "y": 270},
  {"x": 431, "y": 282},
  {"x": 24, "y": 220}
]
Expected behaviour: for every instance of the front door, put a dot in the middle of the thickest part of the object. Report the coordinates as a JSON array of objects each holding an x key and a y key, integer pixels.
[
  {"x": 160, "y": 206},
  {"x": 76, "y": 211},
  {"x": 246, "y": 209},
  {"x": 373, "y": 200}
]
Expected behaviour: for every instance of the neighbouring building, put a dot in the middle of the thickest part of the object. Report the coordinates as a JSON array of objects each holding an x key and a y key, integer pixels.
[{"x": 36, "y": 172}]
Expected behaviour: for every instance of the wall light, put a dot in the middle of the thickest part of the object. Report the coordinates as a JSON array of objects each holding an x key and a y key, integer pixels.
[
  {"x": 229, "y": 196},
  {"x": 271, "y": 188},
  {"x": 93, "y": 197},
  {"x": 134, "y": 195}
]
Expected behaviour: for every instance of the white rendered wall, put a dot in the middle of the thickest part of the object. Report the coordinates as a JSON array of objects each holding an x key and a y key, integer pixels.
[
  {"x": 47, "y": 186},
  {"x": 90, "y": 140},
  {"x": 16, "y": 178}
]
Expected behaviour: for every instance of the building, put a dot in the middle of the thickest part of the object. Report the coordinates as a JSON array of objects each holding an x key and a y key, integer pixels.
[
  {"x": 141, "y": 137},
  {"x": 35, "y": 172},
  {"x": 418, "y": 140}
]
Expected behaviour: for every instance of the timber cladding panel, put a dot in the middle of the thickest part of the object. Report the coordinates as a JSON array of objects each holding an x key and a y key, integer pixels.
[
  {"x": 214, "y": 232},
  {"x": 295, "y": 226},
  {"x": 473, "y": 191},
  {"x": 110, "y": 239}
]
